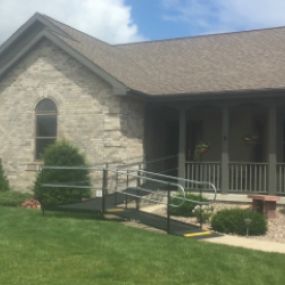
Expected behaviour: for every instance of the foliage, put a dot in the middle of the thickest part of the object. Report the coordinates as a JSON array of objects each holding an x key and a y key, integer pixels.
[
  {"x": 4, "y": 183},
  {"x": 203, "y": 213},
  {"x": 12, "y": 198},
  {"x": 239, "y": 221},
  {"x": 62, "y": 154},
  {"x": 71, "y": 250},
  {"x": 200, "y": 150},
  {"x": 186, "y": 209}
]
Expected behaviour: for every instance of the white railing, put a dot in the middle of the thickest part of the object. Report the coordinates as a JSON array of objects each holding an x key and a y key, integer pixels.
[
  {"x": 280, "y": 169},
  {"x": 248, "y": 177},
  {"x": 204, "y": 171}
]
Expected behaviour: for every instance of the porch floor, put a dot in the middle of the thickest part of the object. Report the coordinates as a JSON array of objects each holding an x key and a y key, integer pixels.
[{"x": 238, "y": 198}]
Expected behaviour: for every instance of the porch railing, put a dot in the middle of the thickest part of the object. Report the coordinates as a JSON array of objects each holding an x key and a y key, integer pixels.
[
  {"x": 204, "y": 171},
  {"x": 280, "y": 170},
  {"x": 248, "y": 177},
  {"x": 244, "y": 177}
]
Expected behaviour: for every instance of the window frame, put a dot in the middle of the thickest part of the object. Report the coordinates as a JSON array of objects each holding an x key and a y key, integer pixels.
[{"x": 49, "y": 113}]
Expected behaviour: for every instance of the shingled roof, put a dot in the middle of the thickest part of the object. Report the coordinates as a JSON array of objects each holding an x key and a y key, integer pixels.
[
  {"x": 251, "y": 60},
  {"x": 215, "y": 63}
]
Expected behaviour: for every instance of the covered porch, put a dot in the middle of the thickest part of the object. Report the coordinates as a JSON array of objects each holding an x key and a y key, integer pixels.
[{"x": 238, "y": 145}]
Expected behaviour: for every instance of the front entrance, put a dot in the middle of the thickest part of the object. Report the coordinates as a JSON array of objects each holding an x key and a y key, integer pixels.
[{"x": 161, "y": 139}]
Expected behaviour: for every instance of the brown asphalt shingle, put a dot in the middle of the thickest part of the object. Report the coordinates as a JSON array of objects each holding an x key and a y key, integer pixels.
[{"x": 250, "y": 60}]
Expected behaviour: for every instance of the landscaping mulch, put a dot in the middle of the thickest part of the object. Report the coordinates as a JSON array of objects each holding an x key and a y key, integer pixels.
[
  {"x": 31, "y": 204},
  {"x": 276, "y": 227}
]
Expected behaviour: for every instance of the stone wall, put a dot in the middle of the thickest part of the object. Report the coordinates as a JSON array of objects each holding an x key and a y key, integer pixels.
[{"x": 105, "y": 127}]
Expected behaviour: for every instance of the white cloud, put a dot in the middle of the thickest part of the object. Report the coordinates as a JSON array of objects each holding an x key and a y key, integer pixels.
[
  {"x": 109, "y": 20},
  {"x": 208, "y": 16}
]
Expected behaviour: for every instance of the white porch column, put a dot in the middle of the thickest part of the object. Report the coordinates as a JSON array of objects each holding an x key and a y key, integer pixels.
[
  {"x": 272, "y": 146},
  {"x": 225, "y": 150},
  {"x": 182, "y": 143}
]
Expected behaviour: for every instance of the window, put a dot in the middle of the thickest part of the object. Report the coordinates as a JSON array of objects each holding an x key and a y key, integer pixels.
[{"x": 46, "y": 125}]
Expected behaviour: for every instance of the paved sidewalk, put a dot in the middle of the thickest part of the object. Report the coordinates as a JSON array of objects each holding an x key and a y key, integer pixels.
[{"x": 249, "y": 243}]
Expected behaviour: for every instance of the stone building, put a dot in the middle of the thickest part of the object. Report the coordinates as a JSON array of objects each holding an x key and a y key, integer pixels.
[{"x": 149, "y": 100}]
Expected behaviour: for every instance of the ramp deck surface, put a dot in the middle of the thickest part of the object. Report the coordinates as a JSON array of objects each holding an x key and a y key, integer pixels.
[{"x": 149, "y": 219}]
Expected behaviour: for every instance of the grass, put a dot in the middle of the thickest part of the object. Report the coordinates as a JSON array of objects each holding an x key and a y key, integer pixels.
[{"x": 60, "y": 249}]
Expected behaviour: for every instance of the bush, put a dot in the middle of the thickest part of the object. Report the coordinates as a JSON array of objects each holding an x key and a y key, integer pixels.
[
  {"x": 234, "y": 221},
  {"x": 4, "y": 184},
  {"x": 12, "y": 198},
  {"x": 62, "y": 154},
  {"x": 186, "y": 209}
]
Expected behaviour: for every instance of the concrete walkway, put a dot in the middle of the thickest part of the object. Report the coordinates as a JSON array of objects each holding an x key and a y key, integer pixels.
[{"x": 249, "y": 243}]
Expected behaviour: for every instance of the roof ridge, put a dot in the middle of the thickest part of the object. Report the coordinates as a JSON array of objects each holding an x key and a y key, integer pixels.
[
  {"x": 121, "y": 55},
  {"x": 200, "y": 36},
  {"x": 72, "y": 28}
]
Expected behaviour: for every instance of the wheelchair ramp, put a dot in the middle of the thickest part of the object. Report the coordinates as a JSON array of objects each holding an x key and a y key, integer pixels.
[
  {"x": 116, "y": 188},
  {"x": 159, "y": 222}
]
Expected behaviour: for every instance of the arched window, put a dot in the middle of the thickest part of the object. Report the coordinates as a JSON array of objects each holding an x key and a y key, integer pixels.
[{"x": 46, "y": 125}]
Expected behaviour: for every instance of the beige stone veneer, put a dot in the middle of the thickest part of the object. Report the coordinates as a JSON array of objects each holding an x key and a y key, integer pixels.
[{"x": 105, "y": 127}]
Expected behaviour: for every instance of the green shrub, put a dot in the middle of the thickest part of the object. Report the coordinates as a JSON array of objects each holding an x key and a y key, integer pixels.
[
  {"x": 62, "y": 154},
  {"x": 234, "y": 221},
  {"x": 4, "y": 184},
  {"x": 186, "y": 209},
  {"x": 12, "y": 198}
]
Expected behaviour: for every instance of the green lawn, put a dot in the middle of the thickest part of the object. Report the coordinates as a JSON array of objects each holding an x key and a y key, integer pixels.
[{"x": 58, "y": 249}]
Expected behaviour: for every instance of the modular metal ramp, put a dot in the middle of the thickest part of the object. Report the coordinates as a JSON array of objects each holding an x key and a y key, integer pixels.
[
  {"x": 159, "y": 222},
  {"x": 134, "y": 186},
  {"x": 147, "y": 219}
]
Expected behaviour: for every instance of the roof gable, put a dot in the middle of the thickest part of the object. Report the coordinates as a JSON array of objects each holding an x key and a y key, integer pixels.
[{"x": 38, "y": 28}]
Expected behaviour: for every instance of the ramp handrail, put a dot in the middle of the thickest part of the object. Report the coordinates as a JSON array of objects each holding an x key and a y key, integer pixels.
[
  {"x": 160, "y": 159},
  {"x": 116, "y": 171},
  {"x": 144, "y": 175},
  {"x": 149, "y": 191},
  {"x": 200, "y": 183}
]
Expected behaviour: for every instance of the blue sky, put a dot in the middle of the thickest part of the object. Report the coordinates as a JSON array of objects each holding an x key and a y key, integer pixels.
[
  {"x": 156, "y": 20},
  {"x": 159, "y": 19},
  {"x": 119, "y": 21}
]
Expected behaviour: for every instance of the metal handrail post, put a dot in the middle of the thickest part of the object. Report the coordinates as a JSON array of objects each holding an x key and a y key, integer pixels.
[
  {"x": 138, "y": 185},
  {"x": 41, "y": 179},
  {"x": 126, "y": 196},
  {"x": 116, "y": 187},
  {"x": 104, "y": 189},
  {"x": 168, "y": 211}
]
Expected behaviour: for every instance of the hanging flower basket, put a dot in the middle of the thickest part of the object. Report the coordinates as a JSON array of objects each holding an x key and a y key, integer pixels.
[
  {"x": 250, "y": 139},
  {"x": 201, "y": 149}
]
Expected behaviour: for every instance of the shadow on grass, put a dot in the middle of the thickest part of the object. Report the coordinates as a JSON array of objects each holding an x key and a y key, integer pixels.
[
  {"x": 79, "y": 215},
  {"x": 74, "y": 214}
]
